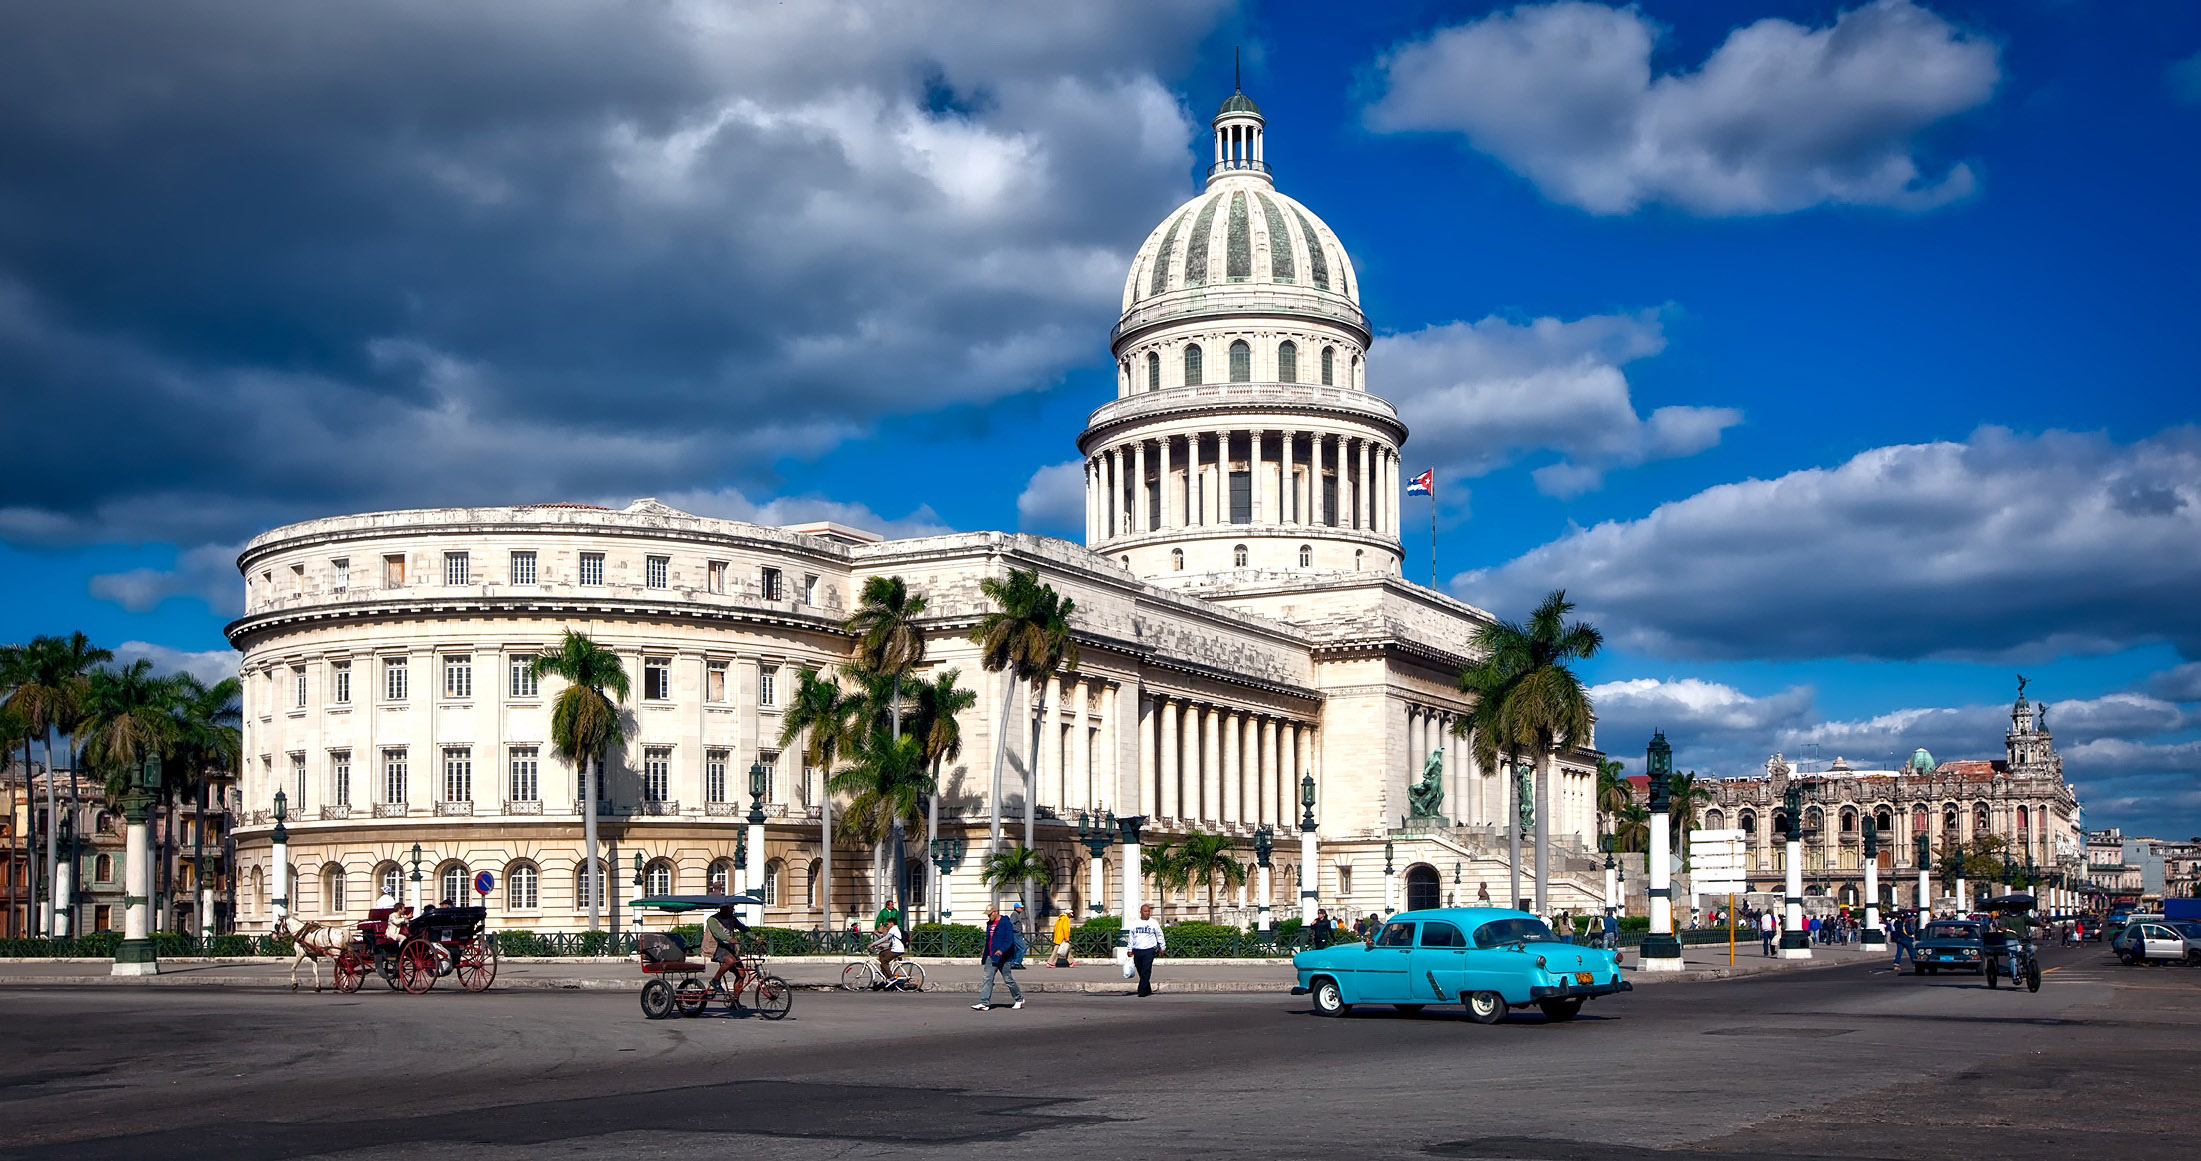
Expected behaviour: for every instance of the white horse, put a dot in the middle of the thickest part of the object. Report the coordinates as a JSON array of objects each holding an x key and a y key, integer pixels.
[{"x": 314, "y": 941}]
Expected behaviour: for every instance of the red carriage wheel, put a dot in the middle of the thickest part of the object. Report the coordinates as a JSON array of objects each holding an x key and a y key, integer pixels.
[
  {"x": 416, "y": 966},
  {"x": 351, "y": 970},
  {"x": 477, "y": 964}
]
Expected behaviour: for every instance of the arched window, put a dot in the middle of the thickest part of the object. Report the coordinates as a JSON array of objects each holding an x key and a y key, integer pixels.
[
  {"x": 389, "y": 880},
  {"x": 657, "y": 878},
  {"x": 1358, "y": 383},
  {"x": 1884, "y": 822},
  {"x": 1287, "y": 362},
  {"x": 259, "y": 889},
  {"x": 104, "y": 823},
  {"x": 1306, "y": 555},
  {"x": 769, "y": 890},
  {"x": 2024, "y": 816},
  {"x": 1715, "y": 820},
  {"x": 1241, "y": 362},
  {"x": 1979, "y": 819},
  {"x": 1357, "y": 555},
  {"x": 453, "y": 882},
  {"x": 1192, "y": 364},
  {"x": 582, "y": 887},
  {"x": 333, "y": 901},
  {"x": 1780, "y": 824},
  {"x": 1238, "y": 556},
  {"x": 103, "y": 868},
  {"x": 814, "y": 884},
  {"x": 1948, "y": 820},
  {"x": 1329, "y": 365},
  {"x": 523, "y": 887},
  {"x": 1749, "y": 823},
  {"x": 1849, "y": 821},
  {"x": 1177, "y": 559},
  {"x": 720, "y": 879},
  {"x": 1153, "y": 371},
  {"x": 1918, "y": 821}
]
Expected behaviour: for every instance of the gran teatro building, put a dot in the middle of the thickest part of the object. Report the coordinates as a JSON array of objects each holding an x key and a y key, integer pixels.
[{"x": 1241, "y": 617}]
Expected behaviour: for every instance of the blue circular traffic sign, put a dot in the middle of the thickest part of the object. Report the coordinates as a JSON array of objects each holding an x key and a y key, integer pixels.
[{"x": 484, "y": 882}]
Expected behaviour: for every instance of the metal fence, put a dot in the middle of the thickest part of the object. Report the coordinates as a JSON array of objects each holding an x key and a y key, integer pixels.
[{"x": 168, "y": 945}]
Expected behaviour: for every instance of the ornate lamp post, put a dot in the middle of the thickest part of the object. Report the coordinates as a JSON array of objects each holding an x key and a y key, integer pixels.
[
  {"x": 595, "y": 876},
  {"x": 1924, "y": 859},
  {"x": 1660, "y": 950},
  {"x": 1264, "y": 845},
  {"x": 1096, "y": 833},
  {"x": 753, "y": 865},
  {"x": 1612, "y": 874},
  {"x": 738, "y": 882},
  {"x": 136, "y": 955},
  {"x": 947, "y": 854},
  {"x": 639, "y": 892},
  {"x": 1872, "y": 938},
  {"x": 281, "y": 857},
  {"x": 1795, "y": 940},
  {"x": 1308, "y": 869},
  {"x": 1127, "y": 833},
  {"x": 1390, "y": 881},
  {"x": 65, "y": 877}
]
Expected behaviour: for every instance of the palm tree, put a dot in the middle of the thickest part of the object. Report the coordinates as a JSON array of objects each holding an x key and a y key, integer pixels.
[
  {"x": 1026, "y": 638},
  {"x": 1165, "y": 865},
  {"x": 127, "y": 720},
  {"x": 51, "y": 685},
  {"x": 13, "y": 725},
  {"x": 1204, "y": 858},
  {"x": 1632, "y": 828},
  {"x": 1544, "y": 700},
  {"x": 887, "y": 783},
  {"x": 889, "y": 641},
  {"x": 1685, "y": 794},
  {"x": 208, "y": 745},
  {"x": 828, "y": 722},
  {"x": 1017, "y": 867},
  {"x": 584, "y": 725},
  {"x": 1613, "y": 791},
  {"x": 939, "y": 702},
  {"x": 1490, "y": 680}
]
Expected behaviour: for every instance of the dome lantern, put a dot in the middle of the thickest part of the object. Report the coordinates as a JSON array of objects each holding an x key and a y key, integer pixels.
[{"x": 1239, "y": 152}]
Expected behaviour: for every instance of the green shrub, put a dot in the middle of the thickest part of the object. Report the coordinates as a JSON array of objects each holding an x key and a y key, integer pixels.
[{"x": 953, "y": 939}]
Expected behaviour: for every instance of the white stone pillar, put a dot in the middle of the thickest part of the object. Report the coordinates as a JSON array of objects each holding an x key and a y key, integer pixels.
[
  {"x": 1150, "y": 778},
  {"x": 1112, "y": 487},
  {"x": 1367, "y": 496},
  {"x": 1925, "y": 898},
  {"x": 1141, "y": 511},
  {"x": 1872, "y": 936},
  {"x": 1254, "y": 489},
  {"x": 1095, "y": 885},
  {"x": 1310, "y": 872},
  {"x": 1270, "y": 738},
  {"x": 1612, "y": 886},
  {"x": 1261, "y": 884},
  {"x": 1078, "y": 771},
  {"x": 1233, "y": 748},
  {"x": 755, "y": 867},
  {"x": 137, "y": 885},
  {"x": 1047, "y": 762},
  {"x": 1660, "y": 866},
  {"x": 1168, "y": 453},
  {"x": 1131, "y": 872},
  {"x": 1963, "y": 897},
  {"x": 1170, "y": 800},
  {"x": 279, "y": 880},
  {"x": 1288, "y": 481},
  {"x": 1795, "y": 940},
  {"x": 64, "y": 895},
  {"x": 206, "y": 911},
  {"x": 1217, "y": 802}
]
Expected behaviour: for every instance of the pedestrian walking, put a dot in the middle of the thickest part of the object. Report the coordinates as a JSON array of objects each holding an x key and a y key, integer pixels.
[
  {"x": 1004, "y": 954},
  {"x": 1612, "y": 930},
  {"x": 1145, "y": 940},
  {"x": 1766, "y": 930},
  {"x": 1062, "y": 940},
  {"x": 1904, "y": 934},
  {"x": 1318, "y": 935}
]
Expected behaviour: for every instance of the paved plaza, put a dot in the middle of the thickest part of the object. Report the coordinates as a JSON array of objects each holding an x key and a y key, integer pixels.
[{"x": 1841, "y": 1059}]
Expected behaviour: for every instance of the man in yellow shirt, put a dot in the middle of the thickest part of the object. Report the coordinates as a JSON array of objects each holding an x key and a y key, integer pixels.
[{"x": 1062, "y": 940}]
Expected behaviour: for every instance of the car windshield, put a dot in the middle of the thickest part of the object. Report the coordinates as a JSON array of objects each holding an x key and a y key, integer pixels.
[
  {"x": 1500, "y": 932},
  {"x": 1951, "y": 931}
]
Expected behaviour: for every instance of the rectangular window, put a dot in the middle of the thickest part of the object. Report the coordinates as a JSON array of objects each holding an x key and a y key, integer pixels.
[
  {"x": 657, "y": 773},
  {"x": 458, "y": 774},
  {"x": 768, "y": 680},
  {"x": 768, "y": 584},
  {"x": 458, "y": 675},
  {"x": 340, "y": 682},
  {"x": 393, "y": 776},
  {"x": 524, "y": 681},
  {"x": 657, "y": 571},
  {"x": 342, "y": 567},
  {"x": 456, "y": 568},
  {"x": 714, "y": 775},
  {"x": 717, "y": 575},
  {"x": 1329, "y": 501},
  {"x": 393, "y": 571},
  {"x": 657, "y": 679},
  {"x": 298, "y": 781},
  {"x": 297, "y": 579},
  {"x": 340, "y": 778},
  {"x": 523, "y": 567},
  {"x": 393, "y": 679},
  {"x": 810, "y": 590},
  {"x": 525, "y": 785},
  {"x": 592, "y": 568},
  {"x": 1241, "y": 497},
  {"x": 770, "y": 760},
  {"x": 714, "y": 682},
  {"x": 298, "y": 686}
]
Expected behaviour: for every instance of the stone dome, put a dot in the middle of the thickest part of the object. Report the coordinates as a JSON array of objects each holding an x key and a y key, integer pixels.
[{"x": 1241, "y": 233}]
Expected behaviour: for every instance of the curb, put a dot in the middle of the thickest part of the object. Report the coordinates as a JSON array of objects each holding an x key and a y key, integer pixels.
[{"x": 948, "y": 987}]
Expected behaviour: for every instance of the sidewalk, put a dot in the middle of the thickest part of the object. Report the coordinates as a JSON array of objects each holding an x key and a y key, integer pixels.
[{"x": 1100, "y": 977}]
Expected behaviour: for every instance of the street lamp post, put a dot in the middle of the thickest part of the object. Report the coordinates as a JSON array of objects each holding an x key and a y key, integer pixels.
[
  {"x": 1795, "y": 941},
  {"x": 280, "y": 853},
  {"x": 136, "y": 956},
  {"x": 65, "y": 879},
  {"x": 946, "y": 854},
  {"x": 1127, "y": 834},
  {"x": 1925, "y": 874},
  {"x": 595, "y": 879},
  {"x": 1096, "y": 833},
  {"x": 1872, "y": 938},
  {"x": 1390, "y": 881},
  {"x": 1308, "y": 870},
  {"x": 639, "y": 893},
  {"x": 1264, "y": 845},
  {"x": 754, "y": 864},
  {"x": 1612, "y": 876},
  {"x": 1660, "y": 950}
]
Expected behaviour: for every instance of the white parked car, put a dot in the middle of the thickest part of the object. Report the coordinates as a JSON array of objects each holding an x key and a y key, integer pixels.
[{"x": 2170, "y": 940}]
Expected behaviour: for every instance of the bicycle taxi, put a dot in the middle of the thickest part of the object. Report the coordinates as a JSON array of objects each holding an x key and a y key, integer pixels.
[
  {"x": 2012, "y": 952},
  {"x": 678, "y": 984}
]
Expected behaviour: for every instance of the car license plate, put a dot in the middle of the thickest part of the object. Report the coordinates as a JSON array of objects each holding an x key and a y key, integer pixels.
[{"x": 1581, "y": 977}]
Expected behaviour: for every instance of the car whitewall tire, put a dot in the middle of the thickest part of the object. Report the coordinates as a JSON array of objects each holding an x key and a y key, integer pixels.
[
  {"x": 1486, "y": 1007},
  {"x": 1328, "y": 1000}
]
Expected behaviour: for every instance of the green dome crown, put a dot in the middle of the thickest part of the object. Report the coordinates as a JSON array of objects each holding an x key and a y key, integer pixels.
[{"x": 1238, "y": 103}]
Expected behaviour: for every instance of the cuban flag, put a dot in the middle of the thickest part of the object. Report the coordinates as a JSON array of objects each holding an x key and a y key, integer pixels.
[{"x": 1424, "y": 484}]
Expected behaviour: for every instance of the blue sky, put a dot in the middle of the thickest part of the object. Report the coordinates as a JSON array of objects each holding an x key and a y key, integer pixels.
[{"x": 1827, "y": 353}]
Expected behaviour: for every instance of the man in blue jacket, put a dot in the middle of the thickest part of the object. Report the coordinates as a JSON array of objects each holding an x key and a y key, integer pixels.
[{"x": 1004, "y": 954}]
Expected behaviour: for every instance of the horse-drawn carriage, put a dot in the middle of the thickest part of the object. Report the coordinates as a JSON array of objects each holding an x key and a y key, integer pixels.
[{"x": 414, "y": 953}]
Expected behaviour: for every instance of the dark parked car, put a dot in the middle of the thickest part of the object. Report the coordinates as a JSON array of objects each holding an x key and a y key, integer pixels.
[{"x": 1953, "y": 944}]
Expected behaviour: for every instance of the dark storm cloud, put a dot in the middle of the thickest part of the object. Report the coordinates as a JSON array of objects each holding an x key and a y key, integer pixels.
[{"x": 260, "y": 261}]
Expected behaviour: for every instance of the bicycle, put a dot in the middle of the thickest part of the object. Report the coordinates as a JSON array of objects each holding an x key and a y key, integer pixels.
[{"x": 864, "y": 975}]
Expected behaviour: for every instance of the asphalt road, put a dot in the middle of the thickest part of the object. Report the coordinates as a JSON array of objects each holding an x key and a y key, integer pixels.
[{"x": 1850, "y": 1062}]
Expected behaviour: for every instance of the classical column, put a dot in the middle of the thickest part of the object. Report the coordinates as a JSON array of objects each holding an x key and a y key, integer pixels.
[
  {"x": 1253, "y": 475},
  {"x": 1367, "y": 497},
  {"x": 1112, "y": 490},
  {"x": 1287, "y": 483},
  {"x": 1168, "y": 453},
  {"x": 1047, "y": 757},
  {"x": 1150, "y": 777},
  {"x": 1213, "y": 782},
  {"x": 1077, "y": 777},
  {"x": 1222, "y": 478},
  {"x": 1271, "y": 738},
  {"x": 1141, "y": 513},
  {"x": 1169, "y": 799}
]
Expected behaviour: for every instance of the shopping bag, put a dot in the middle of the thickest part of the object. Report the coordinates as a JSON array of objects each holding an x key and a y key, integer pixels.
[{"x": 1130, "y": 970}]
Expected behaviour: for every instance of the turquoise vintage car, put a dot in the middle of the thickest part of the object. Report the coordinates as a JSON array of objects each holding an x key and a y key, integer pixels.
[{"x": 1486, "y": 958}]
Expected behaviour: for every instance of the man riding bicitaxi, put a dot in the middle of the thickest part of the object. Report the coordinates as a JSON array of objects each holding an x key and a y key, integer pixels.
[{"x": 721, "y": 936}]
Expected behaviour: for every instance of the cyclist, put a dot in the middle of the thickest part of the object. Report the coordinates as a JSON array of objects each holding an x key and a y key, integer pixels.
[
  {"x": 723, "y": 929},
  {"x": 2014, "y": 927},
  {"x": 888, "y": 945}
]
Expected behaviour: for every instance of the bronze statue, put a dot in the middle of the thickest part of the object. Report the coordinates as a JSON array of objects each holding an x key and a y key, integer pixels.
[{"x": 1425, "y": 799}]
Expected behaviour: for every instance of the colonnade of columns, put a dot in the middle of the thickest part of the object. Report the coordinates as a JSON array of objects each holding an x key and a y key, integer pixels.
[
  {"x": 1429, "y": 730},
  {"x": 1296, "y": 477},
  {"x": 1200, "y": 762},
  {"x": 1238, "y": 144},
  {"x": 1076, "y": 764}
]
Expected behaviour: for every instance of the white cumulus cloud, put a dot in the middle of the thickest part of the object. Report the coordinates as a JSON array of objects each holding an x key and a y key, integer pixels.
[
  {"x": 1053, "y": 501},
  {"x": 1779, "y": 118}
]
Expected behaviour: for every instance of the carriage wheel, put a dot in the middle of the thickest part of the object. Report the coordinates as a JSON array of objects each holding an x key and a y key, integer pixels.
[
  {"x": 351, "y": 971},
  {"x": 657, "y": 999},
  {"x": 416, "y": 966},
  {"x": 856, "y": 977},
  {"x": 909, "y": 976},
  {"x": 774, "y": 997},
  {"x": 691, "y": 996},
  {"x": 386, "y": 966},
  {"x": 477, "y": 966}
]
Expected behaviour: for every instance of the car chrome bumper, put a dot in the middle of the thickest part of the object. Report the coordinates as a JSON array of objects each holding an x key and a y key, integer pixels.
[
  {"x": 1300, "y": 991},
  {"x": 1568, "y": 991}
]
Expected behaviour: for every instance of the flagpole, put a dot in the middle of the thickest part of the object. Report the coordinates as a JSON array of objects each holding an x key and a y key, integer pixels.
[{"x": 1432, "y": 534}]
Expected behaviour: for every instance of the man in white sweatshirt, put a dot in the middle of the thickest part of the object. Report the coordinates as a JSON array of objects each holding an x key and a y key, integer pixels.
[{"x": 1144, "y": 938}]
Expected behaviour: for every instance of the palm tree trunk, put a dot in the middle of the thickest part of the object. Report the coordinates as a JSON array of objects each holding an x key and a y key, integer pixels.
[
  {"x": 1513, "y": 830},
  {"x": 53, "y": 856},
  {"x": 1002, "y": 727},
  {"x": 825, "y": 850},
  {"x": 1543, "y": 829},
  {"x": 932, "y": 835},
  {"x": 1031, "y": 801},
  {"x": 593, "y": 870}
]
